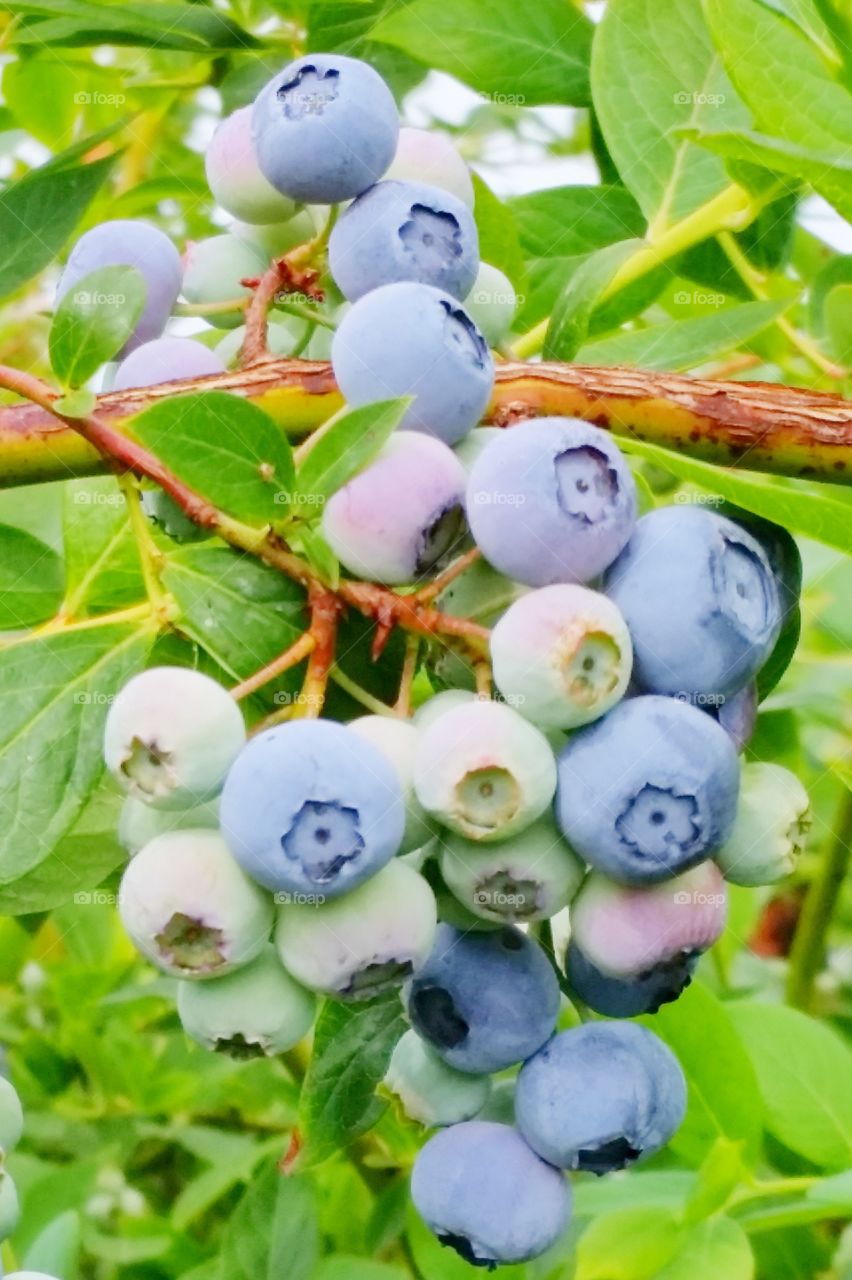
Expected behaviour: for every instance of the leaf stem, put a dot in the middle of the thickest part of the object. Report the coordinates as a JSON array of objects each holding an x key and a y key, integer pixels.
[
  {"x": 136, "y": 613},
  {"x": 151, "y": 557},
  {"x": 402, "y": 706},
  {"x": 808, "y": 950},
  {"x": 359, "y": 694}
]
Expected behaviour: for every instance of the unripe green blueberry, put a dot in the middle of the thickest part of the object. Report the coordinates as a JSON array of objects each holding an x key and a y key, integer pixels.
[
  {"x": 213, "y": 271},
  {"x": 171, "y": 735},
  {"x": 10, "y": 1210},
  {"x": 773, "y": 817},
  {"x": 256, "y": 1011},
  {"x": 492, "y": 303},
  {"x": 283, "y": 335},
  {"x": 484, "y": 771},
  {"x": 471, "y": 446},
  {"x": 432, "y": 708},
  {"x": 562, "y": 656},
  {"x": 430, "y": 1091},
  {"x": 234, "y": 177},
  {"x": 139, "y": 822},
  {"x": 190, "y": 908},
  {"x": 11, "y": 1117},
  {"x": 500, "y": 1106},
  {"x": 397, "y": 740},
  {"x": 425, "y": 156},
  {"x": 530, "y": 877},
  {"x": 277, "y": 238},
  {"x": 364, "y": 943}
]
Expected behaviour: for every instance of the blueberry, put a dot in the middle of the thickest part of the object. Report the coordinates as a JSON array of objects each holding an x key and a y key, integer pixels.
[
  {"x": 400, "y": 516},
  {"x": 171, "y": 735},
  {"x": 738, "y": 715},
  {"x": 781, "y": 551},
  {"x": 325, "y": 128},
  {"x": 551, "y": 500},
  {"x": 600, "y": 1096},
  {"x": 234, "y": 177},
  {"x": 430, "y": 1091},
  {"x": 430, "y": 710},
  {"x": 397, "y": 741},
  {"x": 256, "y": 1011},
  {"x": 468, "y": 449},
  {"x": 562, "y": 656},
  {"x": 189, "y": 907},
  {"x": 131, "y": 243},
  {"x": 412, "y": 340},
  {"x": 139, "y": 822},
  {"x": 649, "y": 790},
  {"x": 425, "y": 156},
  {"x": 310, "y": 808},
  {"x": 404, "y": 231},
  {"x": 492, "y": 303},
  {"x": 638, "y": 945},
  {"x": 701, "y": 602},
  {"x": 484, "y": 1001},
  {"x": 274, "y": 239},
  {"x": 773, "y": 817},
  {"x": 484, "y": 1193},
  {"x": 283, "y": 335},
  {"x": 480, "y": 594},
  {"x": 10, "y": 1210},
  {"x": 213, "y": 271},
  {"x": 166, "y": 360},
  {"x": 530, "y": 877},
  {"x": 11, "y": 1117},
  {"x": 484, "y": 771},
  {"x": 364, "y": 943}
]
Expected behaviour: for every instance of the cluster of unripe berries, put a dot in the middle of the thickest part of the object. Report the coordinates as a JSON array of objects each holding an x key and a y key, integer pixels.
[{"x": 422, "y": 855}]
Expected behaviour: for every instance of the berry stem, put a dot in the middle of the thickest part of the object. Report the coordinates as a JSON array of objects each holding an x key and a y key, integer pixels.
[
  {"x": 359, "y": 694},
  {"x": 402, "y": 706},
  {"x": 325, "y": 615},
  {"x": 807, "y": 954},
  {"x": 434, "y": 588},
  {"x": 291, "y": 657}
]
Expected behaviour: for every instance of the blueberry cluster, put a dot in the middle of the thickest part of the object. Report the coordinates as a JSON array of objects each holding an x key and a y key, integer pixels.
[
  {"x": 11, "y": 1128},
  {"x": 429, "y": 855}
]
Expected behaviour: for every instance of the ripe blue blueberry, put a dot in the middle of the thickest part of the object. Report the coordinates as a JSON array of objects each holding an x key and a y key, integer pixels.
[
  {"x": 171, "y": 735},
  {"x": 781, "y": 551},
  {"x": 325, "y": 128},
  {"x": 396, "y": 519},
  {"x": 562, "y": 656},
  {"x": 310, "y": 808},
  {"x": 213, "y": 271},
  {"x": 425, "y": 156},
  {"x": 701, "y": 602},
  {"x": 530, "y": 877},
  {"x": 484, "y": 771},
  {"x": 773, "y": 818},
  {"x": 412, "y": 340},
  {"x": 397, "y": 741},
  {"x": 130, "y": 243},
  {"x": 404, "y": 231},
  {"x": 484, "y": 1001},
  {"x": 492, "y": 303},
  {"x": 628, "y": 997},
  {"x": 362, "y": 944},
  {"x": 166, "y": 360},
  {"x": 600, "y": 1096},
  {"x": 190, "y": 908},
  {"x": 430, "y": 1091},
  {"x": 649, "y": 790},
  {"x": 234, "y": 177},
  {"x": 139, "y": 822},
  {"x": 738, "y": 715},
  {"x": 551, "y": 500},
  {"x": 11, "y": 1117},
  {"x": 484, "y": 1193},
  {"x": 256, "y": 1011}
]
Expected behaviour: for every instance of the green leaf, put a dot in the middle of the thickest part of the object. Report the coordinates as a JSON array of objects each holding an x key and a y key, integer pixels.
[
  {"x": 572, "y": 313},
  {"x": 667, "y": 1189},
  {"x": 628, "y": 1244},
  {"x": 31, "y": 580},
  {"x": 77, "y": 404},
  {"x": 805, "y": 1076},
  {"x": 352, "y": 1048},
  {"x": 57, "y": 1246},
  {"x": 56, "y": 690},
  {"x": 540, "y": 58},
  {"x": 185, "y": 27},
  {"x": 41, "y": 94},
  {"x": 435, "y": 1261},
  {"x": 838, "y": 323},
  {"x": 684, "y": 344},
  {"x": 225, "y": 449},
  {"x": 274, "y": 1231},
  {"x": 102, "y": 567},
  {"x": 719, "y": 1174},
  {"x": 722, "y": 1094},
  {"x": 340, "y": 1267},
  {"x": 655, "y": 71},
  {"x": 711, "y": 1250},
  {"x": 93, "y": 321},
  {"x": 498, "y": 235},
  {"x": 38, "y": 214},
  {"x": 351, "y": 442}
]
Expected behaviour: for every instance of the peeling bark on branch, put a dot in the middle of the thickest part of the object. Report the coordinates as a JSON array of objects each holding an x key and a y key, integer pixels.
[{"x": 752, "y": 425}]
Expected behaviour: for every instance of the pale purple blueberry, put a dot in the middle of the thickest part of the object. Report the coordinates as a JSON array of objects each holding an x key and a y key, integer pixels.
[
  {"x": 648, "y": 791},
  {"x": 701, "y": 602},
  {"x": 422, "y": 155},
  {"x": 311, "y": 808},
  {"x": 484, "y": 771},
  {"x": 363, "y": 944},
  {"x": 492, "y": 303},
  {"x": 397, "y": 741},
  {"x": 401, "y": 515},
  {"x": 482, "y": 1191},
  {"x": 412, "y": 340},
  {"x": 404, "y": 231},
  {"x": 190, "y": 908},
  {"x": 166, "y": 360},
  {"x": 551, "y": 500},
  {"x": 483, "y": 1001},
  {"x": 428, "y": 1090},
  {"x": 769, "y": 833},
  {"x": 234, "y": 177},
  {"x": 561, "y": 656},
  {"x": 171, "y": 735},
  {"x": 600, "y": 1096},
  {"x": 214, "y": 270},
  {"x": 325, "y": 128},
  {"x": 130, "y": 243}
]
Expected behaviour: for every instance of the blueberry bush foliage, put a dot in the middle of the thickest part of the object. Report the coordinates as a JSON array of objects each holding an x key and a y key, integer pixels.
[{"x": 687, "y": 290}]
